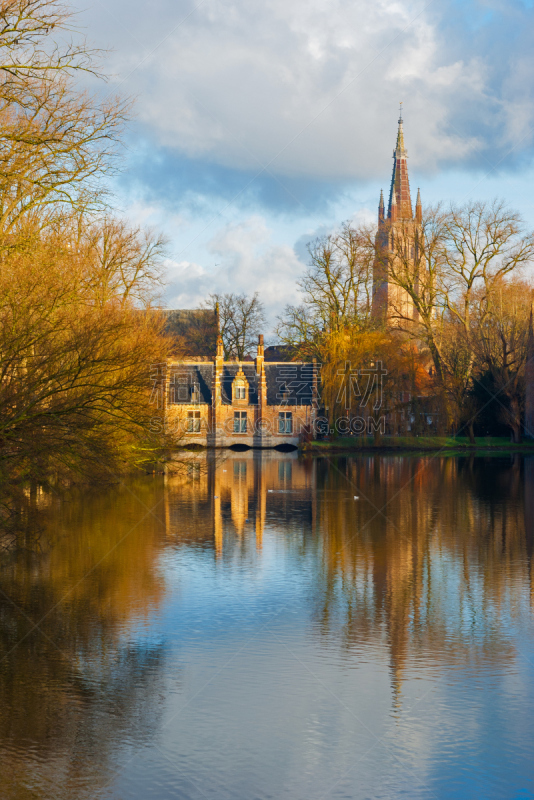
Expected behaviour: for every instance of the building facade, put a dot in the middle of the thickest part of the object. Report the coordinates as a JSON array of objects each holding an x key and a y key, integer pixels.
[{"x": 218, "y": 403}]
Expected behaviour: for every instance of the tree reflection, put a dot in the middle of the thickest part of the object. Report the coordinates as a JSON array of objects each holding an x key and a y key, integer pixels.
[
  {"x": 430, "y": 568},
  {"x": 81, "y": 685},
  {"x": 433, "y": 560}
]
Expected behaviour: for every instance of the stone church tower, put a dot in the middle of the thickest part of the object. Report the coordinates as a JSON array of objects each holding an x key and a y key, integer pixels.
[{"x": 398, "y": 230}]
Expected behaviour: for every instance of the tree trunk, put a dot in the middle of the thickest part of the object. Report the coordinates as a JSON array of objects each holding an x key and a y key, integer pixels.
[
  {"x": 515, "y": 423},
  {"x": 471, "y": 432}
]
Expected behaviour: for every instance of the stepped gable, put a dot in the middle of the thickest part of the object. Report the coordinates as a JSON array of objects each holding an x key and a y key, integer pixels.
[{"x": 229, "y": 371}]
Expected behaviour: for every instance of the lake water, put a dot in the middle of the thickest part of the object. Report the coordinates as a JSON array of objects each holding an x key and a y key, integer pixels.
[{"x": 266, "y": 627}]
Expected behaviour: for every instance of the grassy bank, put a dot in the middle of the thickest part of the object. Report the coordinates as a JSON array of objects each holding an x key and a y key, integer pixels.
[{"x": 446, "y": 444}]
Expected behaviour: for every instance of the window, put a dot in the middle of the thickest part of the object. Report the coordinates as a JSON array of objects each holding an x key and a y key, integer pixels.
[
  {"x": 240, "y": 421},
  {"x": 240, "y": 393},
  {"x": 240, "y": 469},
  {"x": 285, "y": 422},
  {"x": 193, "y": 421}
]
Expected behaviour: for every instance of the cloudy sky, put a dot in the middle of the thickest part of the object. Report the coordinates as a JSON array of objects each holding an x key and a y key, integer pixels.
[{"x": 259, "y": 125}]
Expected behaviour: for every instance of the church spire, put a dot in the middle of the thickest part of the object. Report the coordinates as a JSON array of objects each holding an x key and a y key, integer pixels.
[
  {"x": 381, "y": 207},
  {"x": 400, "y": 185},
  {"x": 400, "y": 148}
]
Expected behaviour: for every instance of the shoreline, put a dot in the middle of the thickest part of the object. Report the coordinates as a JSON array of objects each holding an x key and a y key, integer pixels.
[{"x": 446, "y": 445}]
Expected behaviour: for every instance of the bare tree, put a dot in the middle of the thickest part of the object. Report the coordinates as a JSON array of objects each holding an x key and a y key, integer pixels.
[
  {"x": 123, "y": 262},
  {"x": 30, "y": 49},
  {"x": 500, "y": 330},
  {"x": 337, "y": 284},
  {"x": 241, "y": 319},
  {"x": 75, "y": 351},
  {"x": 336, "y": 290},
  {"x": 56, "y": 141},
  {"x": 448, "y": 270}
]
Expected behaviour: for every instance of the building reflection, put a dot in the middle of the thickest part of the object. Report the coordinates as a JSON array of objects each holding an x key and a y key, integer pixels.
[
  {"x": 223, "y": 500},
  {"x": 431, "y": 559},
  {"x": 426, "y": 562}
]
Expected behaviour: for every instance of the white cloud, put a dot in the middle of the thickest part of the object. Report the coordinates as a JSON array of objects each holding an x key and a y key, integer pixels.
[
  {"x": 311, "y": 89},
  {"x": 246, "y": 260},
  {"x": 305, "y": 88}
]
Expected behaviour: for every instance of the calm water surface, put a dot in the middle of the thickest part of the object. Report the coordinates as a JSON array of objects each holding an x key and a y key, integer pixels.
[{"x": 249, "y": 630}]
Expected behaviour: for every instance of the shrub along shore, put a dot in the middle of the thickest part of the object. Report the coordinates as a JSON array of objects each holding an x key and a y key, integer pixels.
[{"x": 449, "y": 445}]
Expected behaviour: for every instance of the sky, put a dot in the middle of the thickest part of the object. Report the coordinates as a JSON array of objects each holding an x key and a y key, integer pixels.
[{"x": 259, "y": 126}]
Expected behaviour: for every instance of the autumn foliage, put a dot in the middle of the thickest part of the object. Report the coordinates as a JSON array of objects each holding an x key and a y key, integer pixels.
[{"x": 78, "y": 333}]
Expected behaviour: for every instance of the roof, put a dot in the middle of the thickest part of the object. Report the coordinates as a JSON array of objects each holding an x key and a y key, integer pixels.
[
  {"x": 288, "y": 383},
  {"x": 277, "y": 352},
  {"x": 185, "y": 378}
]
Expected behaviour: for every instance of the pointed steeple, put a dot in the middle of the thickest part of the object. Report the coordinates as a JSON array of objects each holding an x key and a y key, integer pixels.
[
  {"x": 418, "y": 207},
  {"x": 400, "y": 185},
  {"x": 381, "y": 211},
  {"x": 400, "y": 149}
]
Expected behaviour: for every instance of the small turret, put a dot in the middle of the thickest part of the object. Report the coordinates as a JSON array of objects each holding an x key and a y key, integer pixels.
[
  {"x": 418, "y": 207},
  {"x": 381, "y": 211},
  {"x": 260, "y": 356},
  {"x": 220, "y": 348}
]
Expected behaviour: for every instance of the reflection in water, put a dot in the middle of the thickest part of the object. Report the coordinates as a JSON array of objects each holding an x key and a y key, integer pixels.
[
  {"x": 433, "y": 553},
  {"x": 270, "y": 593},
  {"x": 77, "y": 686},
  {"x": 435, "y": 559}
]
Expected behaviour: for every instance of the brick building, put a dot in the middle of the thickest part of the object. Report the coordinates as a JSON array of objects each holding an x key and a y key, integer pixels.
[{"x": 218, "y": 403}]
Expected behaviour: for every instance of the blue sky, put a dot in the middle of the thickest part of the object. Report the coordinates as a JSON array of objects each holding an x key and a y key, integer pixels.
[{"x": 261, "y": 125}]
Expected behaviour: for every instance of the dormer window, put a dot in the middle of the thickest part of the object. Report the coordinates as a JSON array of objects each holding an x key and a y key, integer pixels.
[{"x": 240, "y": 387}]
